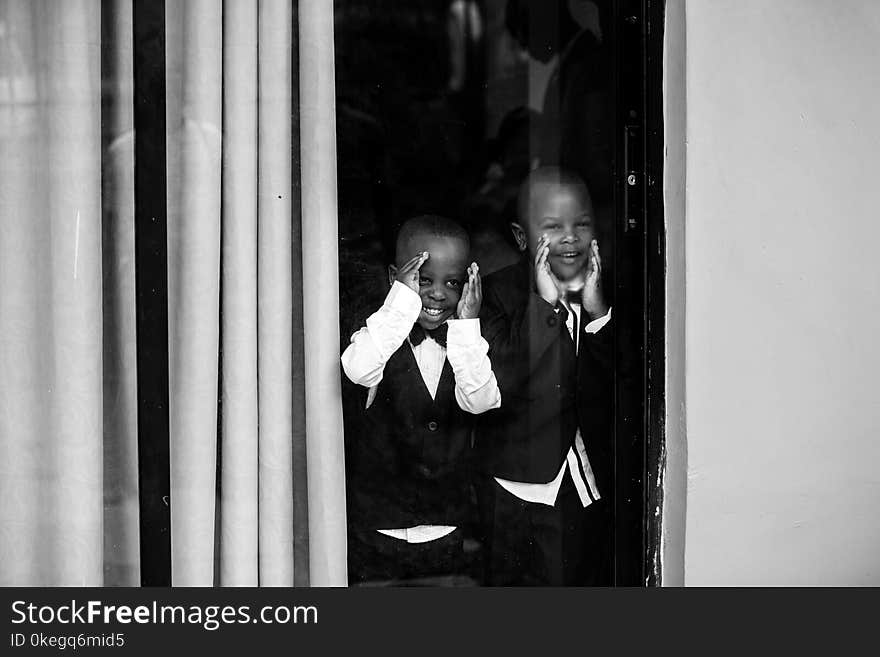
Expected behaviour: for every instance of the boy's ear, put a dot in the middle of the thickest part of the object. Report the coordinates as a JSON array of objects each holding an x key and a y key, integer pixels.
[
  {"x": 392, "y": 274},
  {"x": 519, "y": 235}
]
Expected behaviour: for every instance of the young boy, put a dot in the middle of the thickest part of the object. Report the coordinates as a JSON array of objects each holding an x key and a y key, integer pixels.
[
  {"x": 547, "y": 450},
  {"x": 423, "y": 370}
]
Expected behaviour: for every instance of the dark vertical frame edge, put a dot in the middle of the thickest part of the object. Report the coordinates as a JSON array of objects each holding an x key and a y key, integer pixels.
[
  {"x": 655, "y": 309},
  {"x": 151, "y": 290},
  {"x": 630, "y": 274}
]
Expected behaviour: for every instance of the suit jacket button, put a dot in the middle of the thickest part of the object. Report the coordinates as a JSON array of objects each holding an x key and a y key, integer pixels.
[
  {"x": 432, "y": 426},
  {"x": 551, "y": 320},
  {"x": 424, "y": 470}
]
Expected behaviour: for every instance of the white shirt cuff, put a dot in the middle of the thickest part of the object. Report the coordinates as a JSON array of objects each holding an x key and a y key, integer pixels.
[
  {"x": 463, "y": 331},
  {"x": 596, "y": 324}
]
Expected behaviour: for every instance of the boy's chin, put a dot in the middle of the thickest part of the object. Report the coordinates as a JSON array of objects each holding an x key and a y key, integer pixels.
[{"x": 569, "y": 274}]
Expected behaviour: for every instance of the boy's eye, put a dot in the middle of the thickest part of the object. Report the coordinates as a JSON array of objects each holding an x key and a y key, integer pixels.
[
  {"x": 454, "y": 283},
  {"x": 551, "y": 227},
  {"x": 424, "y": 281}
]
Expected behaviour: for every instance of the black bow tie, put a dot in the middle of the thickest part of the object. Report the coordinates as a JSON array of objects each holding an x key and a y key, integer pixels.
[
  {"x": 572, "y": 296},
  {"x": 419, "y": 333}
]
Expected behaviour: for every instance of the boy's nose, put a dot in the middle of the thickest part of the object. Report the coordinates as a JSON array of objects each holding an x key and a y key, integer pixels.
[{"x": 437, "y": 294}]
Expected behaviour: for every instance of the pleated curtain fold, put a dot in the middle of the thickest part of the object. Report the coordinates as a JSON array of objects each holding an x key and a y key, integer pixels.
[
  {"x": 256, "y": 458},
  {"x": 51, "y": 402}
]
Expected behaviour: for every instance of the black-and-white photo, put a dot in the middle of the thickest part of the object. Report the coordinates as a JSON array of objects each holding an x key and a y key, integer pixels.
[{"x": 438, "y": 293}]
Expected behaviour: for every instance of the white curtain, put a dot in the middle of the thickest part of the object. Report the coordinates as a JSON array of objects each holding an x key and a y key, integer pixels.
[
  {"x": 255, "y": 416},
  {"x": 51, "y": 506}
]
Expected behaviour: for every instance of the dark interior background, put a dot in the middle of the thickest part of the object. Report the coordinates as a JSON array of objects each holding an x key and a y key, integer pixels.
[{"x": 443, "y": 106}]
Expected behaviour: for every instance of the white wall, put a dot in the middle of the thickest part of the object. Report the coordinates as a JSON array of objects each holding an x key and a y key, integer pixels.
[
  {"x": 675, "y": 457},
  {"x": 782, "y": 292}
]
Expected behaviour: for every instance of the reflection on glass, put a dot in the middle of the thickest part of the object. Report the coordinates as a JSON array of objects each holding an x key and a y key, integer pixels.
[{"x": 489, "y": 113}]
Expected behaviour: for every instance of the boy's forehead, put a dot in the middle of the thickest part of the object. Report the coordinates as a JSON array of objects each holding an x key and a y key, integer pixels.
[
  {"x": 440, "y": 246},
  {"x": 551, "y": 198}
]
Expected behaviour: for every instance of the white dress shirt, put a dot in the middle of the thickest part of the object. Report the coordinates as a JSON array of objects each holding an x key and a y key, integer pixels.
[
  {"x": 476, "y": 390},
  {"x": 576, "y": 460}
]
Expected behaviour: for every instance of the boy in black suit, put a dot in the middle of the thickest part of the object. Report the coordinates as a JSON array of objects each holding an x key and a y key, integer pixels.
[
  {"x": 422, "y": 369},
  {"x": 547, "y": 450}
]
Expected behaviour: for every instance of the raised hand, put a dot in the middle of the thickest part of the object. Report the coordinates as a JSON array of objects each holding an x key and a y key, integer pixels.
[
  {"x": 409, "y": 273},
  {"x": 591, "y": 296},
  {"x": 471, "y": 294},
  {"x": 545, "y": 280}
]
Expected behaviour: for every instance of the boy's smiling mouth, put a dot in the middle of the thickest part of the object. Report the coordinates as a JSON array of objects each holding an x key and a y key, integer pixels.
[
  {"x": 433, "y": 312},
  {"x": 569, "y": 256}
]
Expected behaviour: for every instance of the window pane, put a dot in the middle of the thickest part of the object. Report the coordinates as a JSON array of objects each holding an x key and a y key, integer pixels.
[{"x": 467, "y": 110}]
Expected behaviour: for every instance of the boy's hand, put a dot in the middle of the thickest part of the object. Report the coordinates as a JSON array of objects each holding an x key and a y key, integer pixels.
[
  {"x": 471, "y": 295},
  {"x": 409, "y": 273},
  {"x": 592, "y": 300},
  {"x": 545, "y": 281}
]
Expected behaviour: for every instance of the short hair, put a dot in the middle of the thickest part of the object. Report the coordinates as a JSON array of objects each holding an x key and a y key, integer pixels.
[
  {"x": 430, "y": 224},
  {"x": 546, "y": 175}
]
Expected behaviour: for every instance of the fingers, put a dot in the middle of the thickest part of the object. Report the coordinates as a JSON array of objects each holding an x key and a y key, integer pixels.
[
  {"x": 474, "y": 283},
  {"x": 415, "y": 262},
  {"x": 592, "y": 265},
  {"x": 595, "y": 266},
  {"x": 478, "y": 284},
  {"x": 542, "y": 249},
  {"x": 592, "y": 274},
  {"x": 471, "y": 294},
  {"x": 409, "y": 264},
  {"x": 541, "y": 259}
]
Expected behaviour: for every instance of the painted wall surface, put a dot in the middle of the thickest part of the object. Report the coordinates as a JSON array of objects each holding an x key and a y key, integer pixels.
[
  {"x": 674, "y": 170},
  {"x": 783, "y": 292}
]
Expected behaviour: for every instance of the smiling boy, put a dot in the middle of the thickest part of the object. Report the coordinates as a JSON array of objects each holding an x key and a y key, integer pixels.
[
  {"x": 547, "y": 451},
  {"x": 423, "y": 366}
]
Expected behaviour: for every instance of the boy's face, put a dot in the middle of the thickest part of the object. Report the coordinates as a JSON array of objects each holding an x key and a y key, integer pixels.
[
  {"x": 564, "y": 213},
  {"x": 441, "y": 277}
]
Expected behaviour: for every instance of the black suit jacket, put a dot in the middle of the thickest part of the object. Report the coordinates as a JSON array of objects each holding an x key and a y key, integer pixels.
[{"x": 547, "y": 391}]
